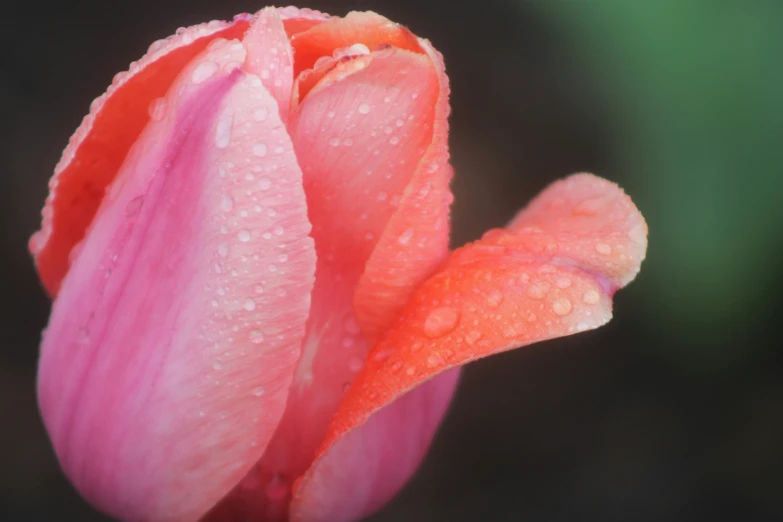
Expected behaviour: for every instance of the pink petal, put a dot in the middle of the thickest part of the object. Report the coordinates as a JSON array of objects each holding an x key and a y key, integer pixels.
[
  {"x": 98, "y": 148},
  {"x": 415, "y": 240},
  {"x": 357, "y": 162},
  {"x": 537, "y": 281},
  {"x": 269, "y": 56},
  {"x": 170, "y": 350},
  {"x": 368, "y": 28}
]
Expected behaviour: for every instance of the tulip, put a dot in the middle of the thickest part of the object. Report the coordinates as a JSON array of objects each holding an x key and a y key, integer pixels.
[{"x": 256, "y": 315}]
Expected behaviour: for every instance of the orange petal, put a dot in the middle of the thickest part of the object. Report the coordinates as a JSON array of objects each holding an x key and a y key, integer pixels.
[
  {"x": 551, "y": 274},
  {"x": 368, "y": 28},
  {"x": 99, "y": 146}
]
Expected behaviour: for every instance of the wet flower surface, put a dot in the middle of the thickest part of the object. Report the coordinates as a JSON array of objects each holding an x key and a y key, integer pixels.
[{"x": 256, "y": 314}]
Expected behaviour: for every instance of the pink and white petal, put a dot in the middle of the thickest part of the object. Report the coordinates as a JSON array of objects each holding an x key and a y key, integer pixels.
[
  {"x": 416, "y": 238},
  {"x": 98, "y": 147},
  {"x": 493, "y": 295},
  {"x": 166, "y": 364},
  {"x": 356, "y": 161},
  {"x": 270, "y": 57}
]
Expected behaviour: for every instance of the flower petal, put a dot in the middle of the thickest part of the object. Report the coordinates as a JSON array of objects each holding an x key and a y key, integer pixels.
[
  {"x": 98, "y": 148},
  {"x": 269, "y": 56},
  {"x": 416, "y": 238},
  {"x": 551, "y": 274},
  {"x": 368, "y": 28},
  {"x": 167, "y": 361},
  {"x": 296, "y": 20},
  {"x": 355, "y": 171}
]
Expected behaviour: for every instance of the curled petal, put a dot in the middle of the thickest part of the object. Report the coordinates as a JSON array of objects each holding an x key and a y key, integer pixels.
[
  {"x": 536, "y": 281},
  {"x": 99, "y": 146},
  {"x": 168, "y": 358}
]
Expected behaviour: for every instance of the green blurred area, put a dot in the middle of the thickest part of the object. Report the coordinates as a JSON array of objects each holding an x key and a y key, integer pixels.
[{"x": 694, "y": 92}]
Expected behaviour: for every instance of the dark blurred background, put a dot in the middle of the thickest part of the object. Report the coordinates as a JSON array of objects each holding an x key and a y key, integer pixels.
[{"x": 674, "y": 411}]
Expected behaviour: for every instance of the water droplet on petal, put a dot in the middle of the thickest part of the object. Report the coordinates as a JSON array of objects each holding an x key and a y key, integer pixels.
[
  {"x": 440, "y": 322},
  {"x": 562, "y": 306},
  {"x": 217, "y": 365},
  {"x": 157, "y": 109},
  {"x": 226, "y": 203},
  {"x": 256, "y": 337},
  {"x": 406, "y": 236},
  {"x": 203, "y": 71},
  {"x": 364, "y": 108},
  {"x": 494, "y": 298},
  {"x": 538, "y": 290},
  {"x": 223, "y": 249},
  {"x": 250, "y": 305},
  {"x": 603, "y": 249},
  {"x": 355, "y": 364},
  {"x": 244, "y": 236},
  {"x": 637, "y": 234},
  {"x": 258, "y": 391},
  {"x": 223, "y": 129},
  {"x": 434, "y": 359},
  {"x": 264, "y": 183},
  {"x": 472, "y": 336},
  {"x": 563, "y": 282},
  {"x": 260, "y": 114},
  {"x": 591, "y": 297}
]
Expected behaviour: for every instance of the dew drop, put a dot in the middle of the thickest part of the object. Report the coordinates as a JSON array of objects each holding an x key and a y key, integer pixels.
[
  {"x": 538, "y": 290},
  {"x": 440, "y": 322},
  {"x": 223, "y": 249},
  {"x": 226, "y": 203},
  {"x": 259, "y": 149},
  {"x": 472, "y": 336},
  {"x": 364, "y": 108},
  {"x": 562, "y": 306},
  {"x": 406, "y": 236},
  {"x": 244, "y": 236},
  {"x": 260, "y": 114},
  {"x": 203, "y": 71},
  {"x": 637, "y": 234},
  {"x": 591, "y": 297},
  {"x": 382, "y": 196},
  {"x": 355, "y": 364},
  {"x": 494, "y": 298},
  {"x": 223, "y": 129},
  {"x": 278, "y": 231},
  {"x": 250, "y": 305},
  {"x": 258, "y": 391},
  {"x": 217, "y": 365},
  {"x": 258, "y": 289},
  {"x": 157, "y": 109},
  {"x": 264, "y": 183},
  {"x": 434, "y": 359},
  {"x": 394, "y": 140},
  {"x": 603, "y": 249},
  {"x": 334, "y": 142},
  {"x": 396, "y": 366},
  {"x": 563, "y": 282}
]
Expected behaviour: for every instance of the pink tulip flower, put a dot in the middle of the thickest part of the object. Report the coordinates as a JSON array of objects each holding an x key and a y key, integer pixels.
[{"x": 256, "y": 313}]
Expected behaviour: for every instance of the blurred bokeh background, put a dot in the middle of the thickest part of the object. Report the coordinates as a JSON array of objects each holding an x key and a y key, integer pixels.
[{"x": 674, "y": 411}]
